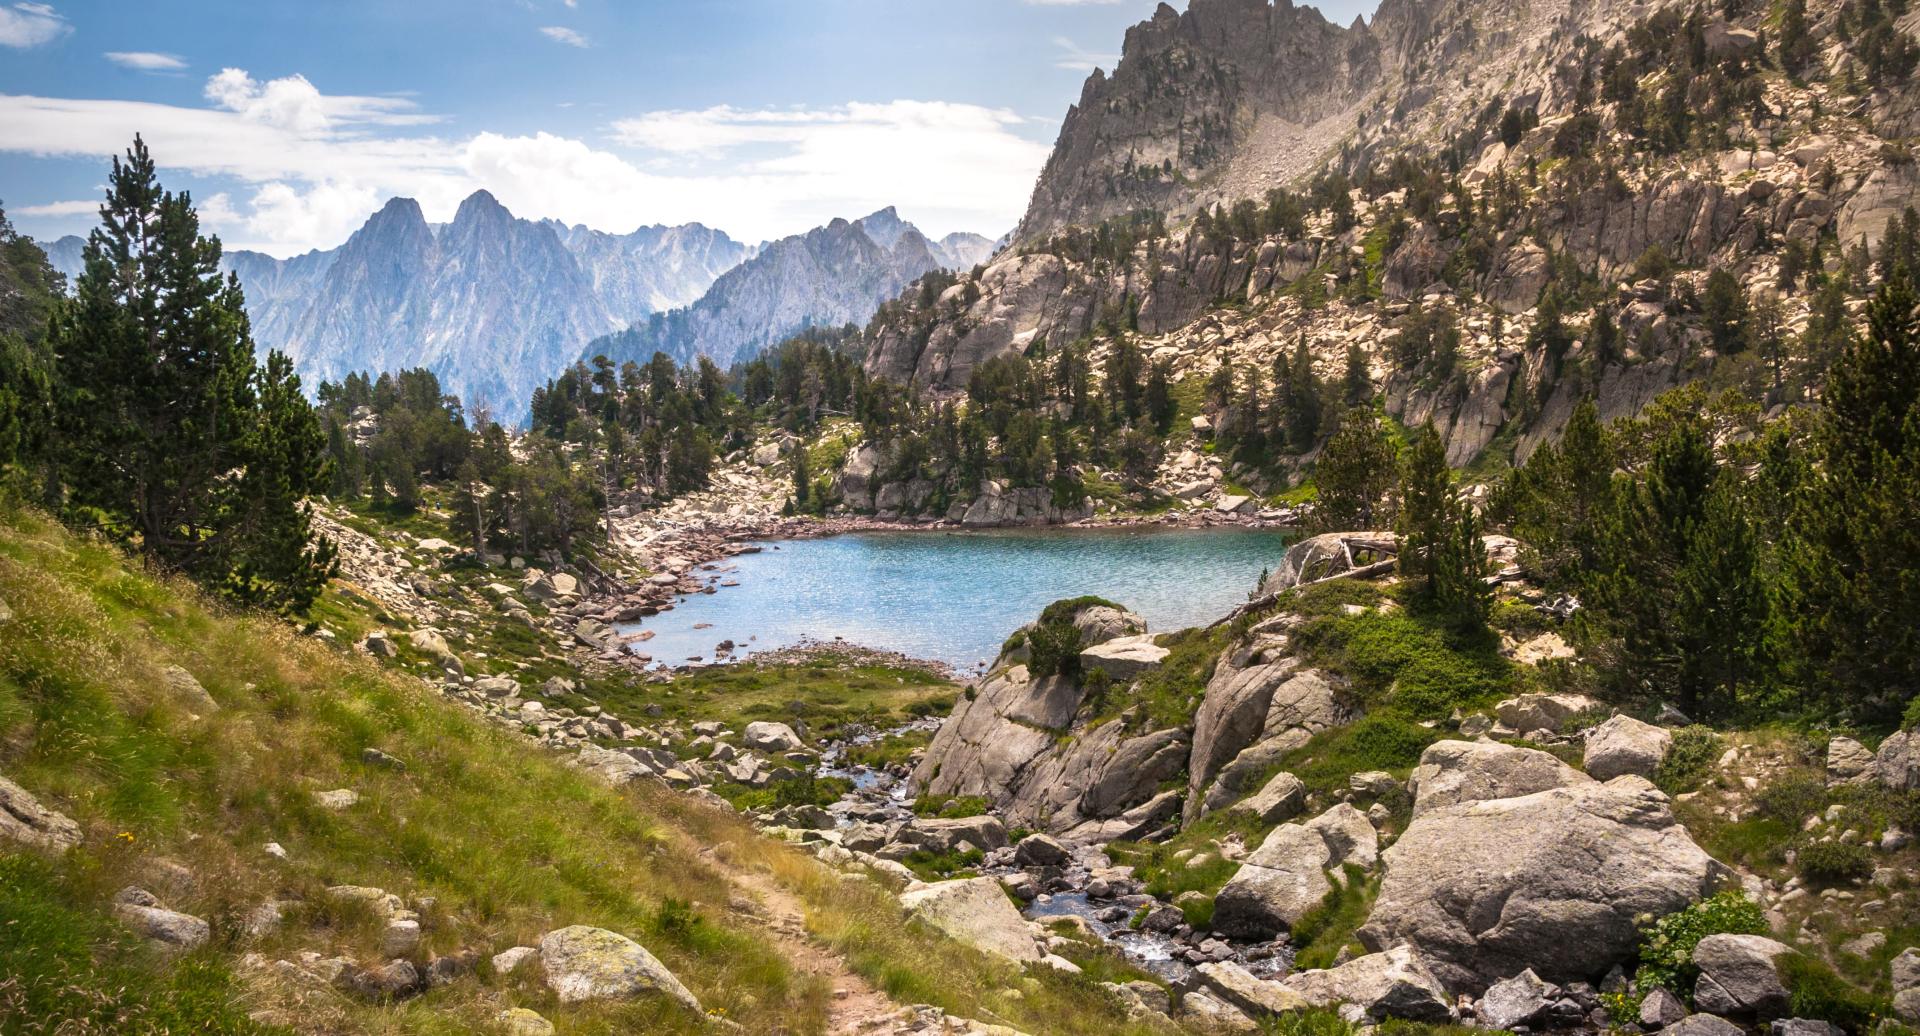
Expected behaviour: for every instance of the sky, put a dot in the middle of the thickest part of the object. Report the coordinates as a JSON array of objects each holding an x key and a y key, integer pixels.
[{"x": 291, "y": 121}]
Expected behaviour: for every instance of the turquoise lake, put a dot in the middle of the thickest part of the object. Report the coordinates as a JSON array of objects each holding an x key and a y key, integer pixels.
[{"x": 954, "y": 596}]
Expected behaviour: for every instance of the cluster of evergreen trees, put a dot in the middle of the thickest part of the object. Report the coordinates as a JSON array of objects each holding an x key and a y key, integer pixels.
[
  {"x": 137, "y": 407},
  {"x": 1737, "y": 568}
]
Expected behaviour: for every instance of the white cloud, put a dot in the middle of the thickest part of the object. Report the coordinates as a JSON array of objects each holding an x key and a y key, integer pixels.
[
  {"x": 310, "y": 167},
  {"x": 29, "y": 25},
  {"x": 146, "y": 60},
  {"x": 1074, "y": 58},
  {"x": 77, "y": 207},
  {"x": 562, "y": 34}
]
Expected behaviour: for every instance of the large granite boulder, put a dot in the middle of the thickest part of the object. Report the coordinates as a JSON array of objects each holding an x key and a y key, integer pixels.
[
  {"x": 1624, "y": 745},
  {"x": 976, "y": 912},
  {"x": 1455, "y": 772},
  {"x": 1281, "y": 798},
  {"x": 772, "y": 737},
  {"x": 1392, "y": 984},
  {"x": 1530, "y": 712},
  {"x": 1248, "y": 993},
  {"x": 1125, "y": 659},
  {"x": 584, "y": 963},
  {"x": 1099, "y": 623},
  {"x": 1287, "y": 876},
  {"x": 1250, "y": 717},
  {"x": 1739, "y": 975},
  {"x": 1318, "y": 557},
  {"x": 1897, "y": 763},
  {"x": 1487, "y": 889},
  {"x": 945, "y": 835}
]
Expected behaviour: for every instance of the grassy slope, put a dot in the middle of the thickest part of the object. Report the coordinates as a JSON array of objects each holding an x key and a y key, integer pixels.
[{"x": 507, "y": 840}]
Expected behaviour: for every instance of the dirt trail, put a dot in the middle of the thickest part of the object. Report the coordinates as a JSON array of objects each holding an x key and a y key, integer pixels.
[{"x": 856, "y": 1007}]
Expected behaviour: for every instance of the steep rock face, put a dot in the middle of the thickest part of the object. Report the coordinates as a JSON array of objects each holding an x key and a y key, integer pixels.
[
  {"x": 1230, "y": 90},
  {"x": 831, "y": 275},
  {"x": 653, "y": 269}
]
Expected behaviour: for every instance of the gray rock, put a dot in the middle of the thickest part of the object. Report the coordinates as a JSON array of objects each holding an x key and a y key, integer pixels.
[
  {"x": 1262, "y": 710},
  {"x": 187, "y": 690},
  {"x": 375, "y": 757},
  {"x": 1660, "y": 1008},
  {"x": 1531, "y": 712},
  {"x": 1040, "y": 850},
  {"x": 497, "y": 686},
  {"x": 584, "y": 963},
  {"x": 519, "y": 1021},
  {"x": 1804, "y": 1027},
  {"x": 400, "y": 938},
  {"x": 1624, "y": 745},
  {"x": 1393, "y": 984},
  {"x": 976, "y": 912},
  {"x": 1905, "y": 970},
  {"x": 1125, "y": 659},
  {"x": 1739, "y": 976},
  {"x": 944, "y": 835},
  {"x": 507, "y": 961},
  {"x": 1702, "y": 1025},
  {"x": 1485, "y": 889},
  {"x": 1848, "y": 761},
  {"x": 336, "y": 799},
  {"x": 1515, "y": 1001},
  {"x": 772, "y": 737},
  {"x": 169, "y": 929},
  {"x": 1897, "y": 763},
  {"x": 1287, "y": 875},
  {"x": 1098, "y": 624},
  {"x": 1453, "y": 773},
  {"x": 1280, "y": 799},
  {"x": 23, "y": 819},
  {"x": 1252, "y": 996}
]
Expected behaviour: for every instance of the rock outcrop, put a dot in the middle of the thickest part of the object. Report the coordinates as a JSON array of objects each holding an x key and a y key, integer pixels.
[
  {"x": 1288, "y": 874},
  {"x": 976, "y": 912},
  {"x": 1486, "y": 888},
  {"x": 23, "y": 819},
  {"x": 584, "y": 963}
]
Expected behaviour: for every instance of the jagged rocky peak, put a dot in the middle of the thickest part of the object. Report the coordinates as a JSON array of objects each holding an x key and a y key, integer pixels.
[{"x": 1222, "y": 100}]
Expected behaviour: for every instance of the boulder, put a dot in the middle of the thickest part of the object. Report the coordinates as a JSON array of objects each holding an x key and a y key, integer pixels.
[
  {"x": 23, "y": 819},
  {"x": 1318, "y": 557},
  {"x": 497, "y": 686},
  {"x": 1098, "y": 624},
  {"x": 400, "y": 938},
  {"x": 1626, "y": 745},
  {"x": 772, "y": 737},
  {"x": 1660, "y": 1008},
  {"x": 1282, "y": 798},
  {"x": 507, "y": 961},
  {"x": 186, "y": 690},
  {"x": 1251, "y": 715},
  {"x": 1516, "y": 1001},
  {"x": 1393, "y": 984},
  {"x": 336, "y": 799},
  {"x": 1702, "y": 1025},
  {"x": 1452, "y": 773},
  {"x": 1531, "y": 712},
  {"x": 434, "y": 646},
  {"x": 1040, "y": 850},
  {"x": 1739, "y": 976},
  {"x": 1905, "y": 970},
  {"x": 1897, "y": 763},
  {"x": 1486, "y": 889},
  {"x": 976, "y": 912},
  {"x": 1848, "y": 761},
  {"x": 584, "y": 963},
  {"x": 1206, "y": 1011},
  {"x": 1287, "y": 875},
  {"x": 1803, "y": 1027},
  {"x": 168, "y": 929},
  {"x": 1252, "y": 996},
  {"x": 946, "y": 835},
  {"x": 1124, "y": 659}
]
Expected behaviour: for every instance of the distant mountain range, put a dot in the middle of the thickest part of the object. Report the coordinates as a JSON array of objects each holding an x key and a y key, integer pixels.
[
  {"x": 496, "y": 305},
  {"x": 831, "y": 275}
]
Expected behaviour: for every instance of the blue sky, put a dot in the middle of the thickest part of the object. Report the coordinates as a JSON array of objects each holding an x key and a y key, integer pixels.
[{"x": 291, "y": 121}]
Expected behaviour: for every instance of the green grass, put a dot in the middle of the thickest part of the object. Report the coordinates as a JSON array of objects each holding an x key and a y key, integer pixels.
[
  {"x": 1380, "y": 741},
  {"x": 1169, "y": 693},
  {"x": 1322, "y": 932},
  {"x": 951, "y": 807},
  {"x": 820, "y": 695}
]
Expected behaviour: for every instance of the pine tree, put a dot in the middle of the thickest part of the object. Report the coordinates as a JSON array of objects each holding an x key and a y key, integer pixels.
[
  {"x": 1850, "y": 566},
  {"x": 173, "y": 438},
  {"x": 1355, "y": 474},
  {"x": 1557, "y": 500},
  {"x": 1161, "y": 406},
  {"x": 1724, "y": 309},
  {"x": 1426, "y": 491},
  {"x": 1356, "y": 387},
  {"x": 1303, "y": 400}
]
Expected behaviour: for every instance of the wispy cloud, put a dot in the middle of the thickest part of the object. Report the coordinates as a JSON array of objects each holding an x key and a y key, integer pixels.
[
  {"x": 29, "y": 25},
  {"x": 562, "y": 34},
  {"x": 78, "y": 207},
  {"x": 1078, "y": 59},
  {"x": 311, "y": 166},
  {"x": 146, "y": 60}
]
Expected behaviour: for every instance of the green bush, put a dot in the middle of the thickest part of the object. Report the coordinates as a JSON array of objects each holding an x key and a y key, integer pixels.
[
  {"x": 1433, "y": 683},
  {"x": 951, "y": 807},
  {"x": 1054, "y": 650},
  {"x": 1666, "y": 951},
  {"x": 1378, "y": 741},
  {"x": 1834, "y": 862},
  {"x": 1792, "y": 799},
  {"x": 1317, "y": 1021},
  {"x": 1691, "y": 757},
  {"x": 1815, "y": 991}
]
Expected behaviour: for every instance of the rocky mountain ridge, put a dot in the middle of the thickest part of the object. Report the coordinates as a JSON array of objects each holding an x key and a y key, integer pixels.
[{"x": 831, "y": 275}]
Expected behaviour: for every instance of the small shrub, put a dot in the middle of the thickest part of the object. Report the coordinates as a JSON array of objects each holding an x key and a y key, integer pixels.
[
  {"x": 1318, "y": 1021},
  {"x": 1379, "y": 741},
  {"x": 1433, "y": 683},
  {"x": 1815, "y": 991},
  {"x": 950, "y": 807},
  {"x": 1792, "y": 799},
  {"x": 1834, "y": 862},
  {"x": 1691, "y": 757},
  {"x": 1054, "y": 650},
  {"x": 1666, "y": 954},
  {"x": 1199, "y": 913},
  {"x": 1328, "y": 927}
]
